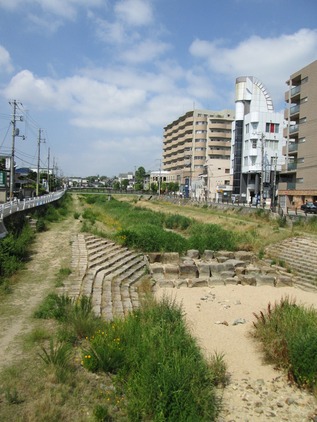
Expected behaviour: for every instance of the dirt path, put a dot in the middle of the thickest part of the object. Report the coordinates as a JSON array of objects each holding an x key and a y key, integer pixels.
[{"x": 51, "y": 251}]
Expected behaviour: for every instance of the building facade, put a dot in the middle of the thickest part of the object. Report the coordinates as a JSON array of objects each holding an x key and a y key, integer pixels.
[
  {"x": 257, "y": 142},
  {"x": 191, "y": 143},
  {"x": 298, "y": 178}
]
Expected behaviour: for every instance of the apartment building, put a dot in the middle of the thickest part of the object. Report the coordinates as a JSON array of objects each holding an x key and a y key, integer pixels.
[
  {"x": 298, "y": 181},
  {"x": 257, "y": 142},
  {"x": 191, "y": 143}
]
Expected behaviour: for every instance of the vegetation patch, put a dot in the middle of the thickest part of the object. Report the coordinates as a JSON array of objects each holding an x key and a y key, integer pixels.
[
  {"x": 288, "y": 335},
  {"x": 160, "y": 371}
]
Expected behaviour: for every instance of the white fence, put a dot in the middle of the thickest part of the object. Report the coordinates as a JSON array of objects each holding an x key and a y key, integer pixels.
[{"x": 17, "y": 205}]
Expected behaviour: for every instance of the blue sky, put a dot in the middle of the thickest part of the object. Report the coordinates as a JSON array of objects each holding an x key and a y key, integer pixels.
[{"x": 102, "y": 78}]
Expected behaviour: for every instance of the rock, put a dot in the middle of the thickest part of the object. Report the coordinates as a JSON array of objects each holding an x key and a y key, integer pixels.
[
  {"x": 216, "y": 267},
  {"x": 239, "y": 321},
  {"x": 170, "y": 258},
  {"x": 222, "y": 322},
  {"x": 203, "y": 270},
  {"x": 208, "y": 255},
  {"x": 265, "y": 280},
  {"x": 244, "y": 256},
  {"x": 198, "y": 282},
  {"x": 193, "y": 253},
  {"x": 188, "y": 270},
  {"x": 247, "y": 280},
  {"x": 171, "y": 271}
]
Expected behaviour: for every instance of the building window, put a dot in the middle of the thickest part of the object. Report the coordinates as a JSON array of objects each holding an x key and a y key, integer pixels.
[
  {"x": 254, "y": 143},
  {"x": 247, "y": 128},
  {"x": 272, "y": 127},
  {"x": 227, "y": 171}
]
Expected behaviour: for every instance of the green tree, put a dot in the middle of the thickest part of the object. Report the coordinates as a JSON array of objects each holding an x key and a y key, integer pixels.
[
  {"x": 154, "y": 187},
  {"x": 139, "y": 178},
  {"x": 116, "y": 185},
  {"x": 124, "y": 184}
]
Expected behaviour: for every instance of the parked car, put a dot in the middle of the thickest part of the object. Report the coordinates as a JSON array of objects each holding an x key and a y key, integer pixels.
[{"x": 309, "y": 208}]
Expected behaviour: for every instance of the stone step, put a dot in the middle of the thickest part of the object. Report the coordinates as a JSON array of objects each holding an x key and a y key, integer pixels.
[
  {"x": 300, "y": 255},
  {"x": 108, "y": 286},
  {"x": 109, "y": 256},
  {"x": 100, "y": 253},
  {"x": 113, "y": 261}
]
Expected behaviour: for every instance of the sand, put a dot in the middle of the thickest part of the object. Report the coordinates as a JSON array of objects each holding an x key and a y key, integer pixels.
[{"x": 211, "y": 313}]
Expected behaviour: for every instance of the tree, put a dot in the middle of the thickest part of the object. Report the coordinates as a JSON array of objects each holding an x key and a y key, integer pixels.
[
  {"x": 154, "y": 187},
  {"x": 139, "y": 178},
  {"x": 124, "y": 184},
  {"x": 116, "y": 185}
]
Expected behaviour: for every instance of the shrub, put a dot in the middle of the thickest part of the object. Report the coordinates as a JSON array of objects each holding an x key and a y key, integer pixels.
[
  {"x": 62, "y": 274},
  {"x": 89, "y": 215},
  {"x": 211, "y": 236},
  {"x": 303, "y": 357},
  {"x": 288, "y": 335},
  {"x": 57, "y": 355},
  {"x": 148, "y": 238},
  {"x": 160, "y": 368},
  {"x": 55, "y": 307},
  {"x": 176, "y": 221},
  {"x": 41, "y": 225}
]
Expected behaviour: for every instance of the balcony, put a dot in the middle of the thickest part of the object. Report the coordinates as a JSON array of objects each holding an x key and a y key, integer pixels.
[
  {"x": 291, "y": 166},
  {"x": 293, "y": 147},
  {"x": 293, "y": 128},
  {"x": 294, "y": 110},
  {"x": 295, "y": 90},
  {"x": 294, "y": 94}
]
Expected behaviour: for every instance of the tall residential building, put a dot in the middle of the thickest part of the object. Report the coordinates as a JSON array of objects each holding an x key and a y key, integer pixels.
[
  {"x": 298, "y": 179},
  {"x": 257, "y": 141},
  {"x": 191, "y": 142}
]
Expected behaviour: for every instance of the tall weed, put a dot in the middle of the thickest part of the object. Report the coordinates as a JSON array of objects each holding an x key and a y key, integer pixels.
[
  {"x": 159, "y": 366},
  {"x": 288, "y": 335}
]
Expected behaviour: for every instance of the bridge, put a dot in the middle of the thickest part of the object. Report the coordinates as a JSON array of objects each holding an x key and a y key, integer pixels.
[{"x": 18, "y": 205}]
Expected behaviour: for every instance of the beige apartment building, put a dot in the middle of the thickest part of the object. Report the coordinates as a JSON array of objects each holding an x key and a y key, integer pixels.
[
  {"x": 298, "y": 179},
  {"x": 194, "y": 142}
]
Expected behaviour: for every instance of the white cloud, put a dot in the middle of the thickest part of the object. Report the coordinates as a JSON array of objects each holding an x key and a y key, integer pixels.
[
  {"x": 44, "y": 23},
  {"x": 63, "y": 8},
  {"x": 134, "y": 12},
  {"x": 109, "y": 32},
  {"x": 5, "y": 60},
  {"x": 146, "y": 51},
  {"x": 272, "y": 60}
]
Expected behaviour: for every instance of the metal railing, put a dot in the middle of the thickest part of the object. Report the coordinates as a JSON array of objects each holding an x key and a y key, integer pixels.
[{"x": 17, "y": 205}]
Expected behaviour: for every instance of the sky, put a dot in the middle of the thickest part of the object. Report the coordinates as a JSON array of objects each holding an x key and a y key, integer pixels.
[{"x": 101, "y": 79}]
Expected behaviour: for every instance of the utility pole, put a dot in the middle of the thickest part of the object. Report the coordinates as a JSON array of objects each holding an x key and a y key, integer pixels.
[
  {"x": 262, "y": 170},
  {"x": 159, "y": 181},
  {"x": 48, "y": 171},
  {"x": 274, "y": 180},
  {"x": 15, "y": 132},
  {"x": 39, "y": 140}
]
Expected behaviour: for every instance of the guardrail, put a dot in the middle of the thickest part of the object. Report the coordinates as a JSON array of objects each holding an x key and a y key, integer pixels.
[{"x": 17, "y": 205}]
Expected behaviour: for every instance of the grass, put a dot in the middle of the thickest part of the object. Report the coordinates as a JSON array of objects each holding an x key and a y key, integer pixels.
[
  {"x": 62, "y": 275},
  {"x": 143, "y": 367},
  {"x": 149, "y": 231},
  {"x": 236, "y": 229},
  {"x": 288, "y": 336},
  {"x": 159, "y": 369}
]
